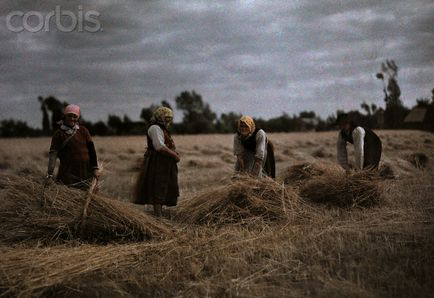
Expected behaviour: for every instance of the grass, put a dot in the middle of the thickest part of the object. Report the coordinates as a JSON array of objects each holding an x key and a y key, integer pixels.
[{"x": 324, "y": 251}]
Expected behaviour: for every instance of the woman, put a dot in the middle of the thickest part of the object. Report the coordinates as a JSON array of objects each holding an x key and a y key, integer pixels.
[
  {"x": 367, "y": 145},
  {"x": 73, "y": 145},
  {"x": 157, "y": 183},
  {"x": 254, "y": 152}
]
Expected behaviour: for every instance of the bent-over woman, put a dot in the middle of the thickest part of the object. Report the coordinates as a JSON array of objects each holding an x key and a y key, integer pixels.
[
  {"x": 157, "y": 183},
  {"x": 254, "y": 152},
  {"x": 367, "y": 145},
  {"x": 73, "y": 145}
]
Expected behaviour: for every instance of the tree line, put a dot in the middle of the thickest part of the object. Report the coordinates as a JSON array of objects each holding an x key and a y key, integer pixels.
[{"x": 198, "y": 117}]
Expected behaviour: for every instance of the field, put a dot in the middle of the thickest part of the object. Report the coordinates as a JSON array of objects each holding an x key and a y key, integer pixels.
[{"x": 317, "y": 250}]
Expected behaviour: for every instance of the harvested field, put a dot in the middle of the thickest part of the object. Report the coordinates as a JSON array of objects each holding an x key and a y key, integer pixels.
[{"x": 226, "y": 238}]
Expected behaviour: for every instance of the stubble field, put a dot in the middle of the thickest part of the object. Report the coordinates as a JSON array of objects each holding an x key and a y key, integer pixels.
[{"x": 317, "y": 250}]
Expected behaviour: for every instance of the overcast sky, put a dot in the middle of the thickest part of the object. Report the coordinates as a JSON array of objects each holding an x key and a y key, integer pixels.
[{"x": 260, "y": 58}]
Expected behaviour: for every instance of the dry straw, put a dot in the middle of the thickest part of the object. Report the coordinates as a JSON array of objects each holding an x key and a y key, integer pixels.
[
  {"x": 330, "y": 184},
  {"x": 418, "y": 160},
  {"x": 386, "y": 171},
  {"x": 243, "y": 200},
  {"x": 358, "y": 189},
  {"x": 64, "y": 271},
  {"x": 54, "y": 213},
  {"x": 299, "y": 173}
]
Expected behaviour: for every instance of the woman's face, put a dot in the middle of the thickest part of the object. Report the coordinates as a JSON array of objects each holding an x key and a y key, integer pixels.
[
  {"x": 71, "y": 119},
  {"x": 168, "y": 120},
  {"x": 345, "y": 126},
  {"x": 244, "y": 129}
]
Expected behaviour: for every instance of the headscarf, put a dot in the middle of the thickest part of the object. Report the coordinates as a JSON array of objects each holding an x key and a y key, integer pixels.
[
  {"x": 72, "y": 109},
  {"x": 160, "y": 115},
  {"x": 249, "y": 122}
]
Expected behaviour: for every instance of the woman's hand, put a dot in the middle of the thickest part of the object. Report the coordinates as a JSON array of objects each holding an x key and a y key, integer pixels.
[
  {"x": 176, "y": 156},
  {"x": 96, "y": 173},
  {"x": 257, "y": 167},
  {"x": 240, "y": 161}
]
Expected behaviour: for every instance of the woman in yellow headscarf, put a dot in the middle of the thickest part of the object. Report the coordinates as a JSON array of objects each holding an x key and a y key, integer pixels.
[
  {"x": 255, "y": 153},
  {"x": 157, "y": 183}
]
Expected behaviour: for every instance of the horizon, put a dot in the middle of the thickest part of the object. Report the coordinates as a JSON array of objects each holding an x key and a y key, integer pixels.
[{"x": 258, "y": 58}]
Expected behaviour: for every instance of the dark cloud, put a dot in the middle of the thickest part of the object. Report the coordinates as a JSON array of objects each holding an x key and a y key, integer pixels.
[{"x": 257, "y": 57}]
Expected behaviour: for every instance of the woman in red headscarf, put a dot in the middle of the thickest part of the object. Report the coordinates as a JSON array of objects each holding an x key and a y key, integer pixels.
[{"x": 73, "y": 145}]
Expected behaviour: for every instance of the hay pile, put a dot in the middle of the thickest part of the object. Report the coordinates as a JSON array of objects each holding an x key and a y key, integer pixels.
[
  {"x": 202, "y": 163},
  {"x": 418, "y": 160},
  {"x": 28, "y": 213},
  {"x": 244, "y": 200},
  {"x": 321, "y": 152},
  {"x": 357, "y": 189},
  {"x": 299, "y": 173},
  {"x": 386, "y": 171}
]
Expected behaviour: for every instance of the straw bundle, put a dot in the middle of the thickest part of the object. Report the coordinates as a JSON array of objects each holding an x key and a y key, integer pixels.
[
  {"x": 321, "y": 152},
  {"x": 386, "y": 171},
  {"x": 54, "y": 213},
  {"x": 243, "y": 200},
  {"x": 343, "y": 190},
  {"x": 299, "y": 173},
  {"x": 418, "y": 160}
]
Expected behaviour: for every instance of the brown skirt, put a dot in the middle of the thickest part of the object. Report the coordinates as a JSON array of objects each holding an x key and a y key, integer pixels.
[
  {"x": 157, "y": 182},
  {"x": 76, "y": 174}
]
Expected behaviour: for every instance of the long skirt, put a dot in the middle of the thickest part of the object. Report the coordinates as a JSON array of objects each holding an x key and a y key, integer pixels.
[
  {"x": 75, "y": 174},
  {"x": 157, "y": 182},
  {"x": 372, "y": 155}
]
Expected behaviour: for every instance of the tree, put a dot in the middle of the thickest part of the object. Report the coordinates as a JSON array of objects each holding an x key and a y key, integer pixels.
[
  {"x": 307, "y": 114},
  {"x": 198, "y": 116},
  {"x": 166, "y": 104},
  {"x": 45, "y": 117},
  {"x": 422, "y": 102},
  {"x": 115, "y": 124},
  {"x": 227, "y": 122},
  {"x": 367, "y": 108},
  {"x": 395, "y": 111},
  {"x": 56, "y": 107},
  {"x": 100, "y": 128},
  {"x": 16, "y": 128}
]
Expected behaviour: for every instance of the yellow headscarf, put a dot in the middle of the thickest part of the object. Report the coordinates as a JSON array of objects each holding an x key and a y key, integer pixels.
[
  {"x": 160, "y": 115},
  {"x": 249, "y": 122}
]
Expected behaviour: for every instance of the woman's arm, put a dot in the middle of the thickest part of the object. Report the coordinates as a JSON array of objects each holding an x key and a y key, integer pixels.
[
  {"x": 359, "y": 139},
  {"x": 170, "y": 153},
  {"x": 342, "y": 155},
  {"x": 157, "y": 137},
  {"x": 261, "y": 145}
]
